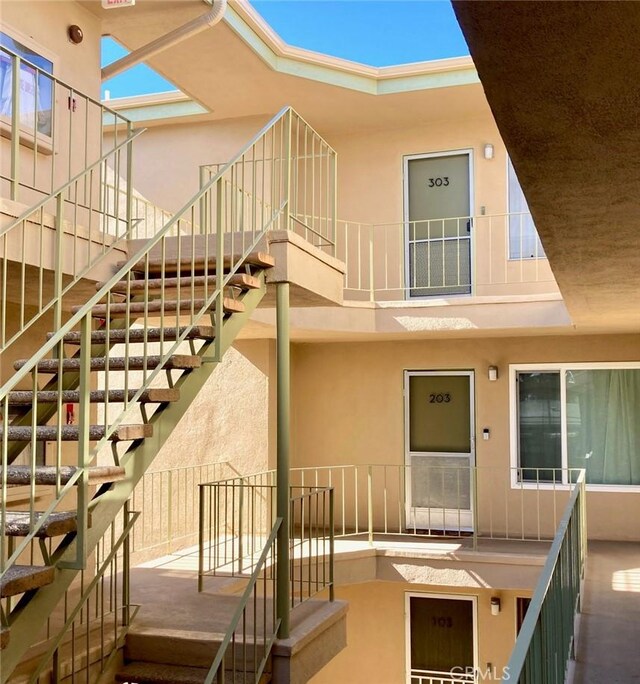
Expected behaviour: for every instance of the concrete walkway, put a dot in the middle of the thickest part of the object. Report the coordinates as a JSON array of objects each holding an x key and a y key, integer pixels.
[{"x": 609, "y": 640}]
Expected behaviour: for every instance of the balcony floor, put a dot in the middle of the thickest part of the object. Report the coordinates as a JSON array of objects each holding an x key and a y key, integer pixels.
[{"x": 610, "y": 622}]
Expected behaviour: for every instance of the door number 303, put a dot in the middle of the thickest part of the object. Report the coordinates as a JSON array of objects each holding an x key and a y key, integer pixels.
[
  {"x": 439, "y": 182},
  {"x": 439, "y": 398}
]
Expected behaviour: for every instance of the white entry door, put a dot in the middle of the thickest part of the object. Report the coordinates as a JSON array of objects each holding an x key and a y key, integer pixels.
[
  {"x": 440, "y": 450},
  {"x": 438, "y": 224}
]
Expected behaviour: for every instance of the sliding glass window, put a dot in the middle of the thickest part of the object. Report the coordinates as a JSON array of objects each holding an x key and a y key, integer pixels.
[
  {"x": 524, "y": 242},
  {"x": 578, "y": 417}
]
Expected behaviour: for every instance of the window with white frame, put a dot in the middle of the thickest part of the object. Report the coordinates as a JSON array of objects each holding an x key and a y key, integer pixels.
[
  {"x": 36, "y": 88},
  {"x": 524, "y": 242},
  {"x": 577, "y": 416}
]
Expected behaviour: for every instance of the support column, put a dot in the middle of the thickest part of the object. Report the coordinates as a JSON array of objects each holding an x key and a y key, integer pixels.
[{"x": 282, "y": 461}]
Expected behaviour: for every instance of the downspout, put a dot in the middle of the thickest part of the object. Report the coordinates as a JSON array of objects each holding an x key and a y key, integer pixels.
[{"x": 210, "y": 18}]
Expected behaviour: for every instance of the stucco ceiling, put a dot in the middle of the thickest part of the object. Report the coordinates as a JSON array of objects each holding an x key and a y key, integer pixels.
[
  {"x": 562, "y": 81},
  {"x": 218, "y": 69}
]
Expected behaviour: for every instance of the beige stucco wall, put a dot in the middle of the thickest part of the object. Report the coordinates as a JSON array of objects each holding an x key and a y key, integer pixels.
[
  {"x": 166, "y": 158},
  {"x": 376, "y": 627},
  {"x": 370, "y": 191},
  {"x": 348, "y": 407},
  {"x": 75, "y": 65}
]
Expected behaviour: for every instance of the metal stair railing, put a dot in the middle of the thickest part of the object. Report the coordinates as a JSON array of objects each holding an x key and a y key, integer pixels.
[
  {"x": 55, "y": 130},
  {"x": 95, "y": 616},
  {"x": 213, "y": 228},
  {"x": 51, "y": 246},
  {"x": 246, "y": 646}
]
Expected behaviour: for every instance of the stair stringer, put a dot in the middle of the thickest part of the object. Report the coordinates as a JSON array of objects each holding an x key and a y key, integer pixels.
[{"x": 27, "y": 619}]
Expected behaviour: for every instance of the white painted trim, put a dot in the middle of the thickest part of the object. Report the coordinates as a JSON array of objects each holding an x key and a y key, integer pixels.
[
  {"x": 405, "y": 212},
  {"x": 27, "y": 41},
  {"x": 407, "y": 441},
  {"x": 514, "y": 460},
  {"x": 407, "y": 623}
]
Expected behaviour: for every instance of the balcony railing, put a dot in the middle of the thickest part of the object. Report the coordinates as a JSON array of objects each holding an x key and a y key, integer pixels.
[
  {"x": 53, "y": 131},
  {"x": 546, "y": 640},
  {"x": 471, "y": 255},
  {"x": 480, "y": 502},
  {"x": 236, "y": 516}
]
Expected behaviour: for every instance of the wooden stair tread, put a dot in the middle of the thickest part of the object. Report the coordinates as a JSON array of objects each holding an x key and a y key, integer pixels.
[
  {"x": 157, "y": 306},
  {"x": 69, "y": 433},
  {"x": 117, "y": 363},
  {"x": 197, "y": 332},
  {"x": 242, "y": 281},
  {"x": 18, "y": 524},
  {"x": 46, "y": 475},
  {"x": 20, "y": 578},
  {"x": 158, "y": 395},
  {"x": 257, "y": 259}
]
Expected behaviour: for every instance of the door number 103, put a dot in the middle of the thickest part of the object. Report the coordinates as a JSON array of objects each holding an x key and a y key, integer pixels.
[
  {"x": 440, "y": 398},
  {"x": 439, "y": 182}
]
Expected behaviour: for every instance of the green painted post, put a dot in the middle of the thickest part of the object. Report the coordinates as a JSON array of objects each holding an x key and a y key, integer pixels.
[
  {"x": 282, "y": 461},
  {"x": 15, "y": 128}
]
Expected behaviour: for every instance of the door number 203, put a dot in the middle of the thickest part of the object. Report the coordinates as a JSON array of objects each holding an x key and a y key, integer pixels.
[
  {"x": 439, "y": 182},
  {"x": 439, "y": 398}
]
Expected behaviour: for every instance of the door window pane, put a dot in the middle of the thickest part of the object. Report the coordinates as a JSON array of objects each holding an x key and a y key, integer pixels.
[
  {"x": 524, "y": 242},
  {"x": 439, "y": 413},
  {"x": 539, "y": 425},
  {"x": 603, "y": 424}
]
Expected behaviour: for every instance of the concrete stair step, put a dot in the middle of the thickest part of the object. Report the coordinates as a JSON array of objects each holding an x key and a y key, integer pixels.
[
  {"x": 18, "y": 524},
  {"x": 47, "y": 475},
  {"x": 117, "y": 363},
  {"x": 20, "y": 578},
  {"x": 157, "y": 673},
  {"x": 197, "y": 332},
  {"x": 151, "y": 396},
  {"x": 181, "y": 647},
  {"x": 70, "y": 433},
  {"x": 199, "y": 263},
  {"x": 157, "y": 306},
  {"x": 241, "y": 281}
]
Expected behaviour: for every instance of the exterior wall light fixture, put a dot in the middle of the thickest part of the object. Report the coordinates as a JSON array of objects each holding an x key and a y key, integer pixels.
[
  {"x": 495, "y": 605},
  {"x": 488, "y": 151},
  {"x": 493, "y": 373}
]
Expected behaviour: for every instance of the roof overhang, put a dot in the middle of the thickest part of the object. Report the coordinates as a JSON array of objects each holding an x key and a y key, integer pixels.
[{"x": 561, "y": 79}]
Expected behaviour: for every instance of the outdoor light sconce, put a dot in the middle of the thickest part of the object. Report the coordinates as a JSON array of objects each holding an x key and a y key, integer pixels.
[
  {"x": 493, "y": 373},
  {"x": 75, "y": 34},
  {"x": 495, "y": 605},
  {"x": 488, "y": 151}
]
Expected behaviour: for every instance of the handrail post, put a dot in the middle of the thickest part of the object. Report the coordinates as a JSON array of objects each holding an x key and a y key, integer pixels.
[
  {"x": 219, "y": 268},
  {"x": 371, "y": 279},
  {"x": 331, "y": 546},
  {"x": 282, "y": 460},
  {"x": 126, "y": 569},
  {"x": 15, "y": 127},
  {"x": 129, "y": 199},
  {"x": 474, "y": 506},
  {"x": 370, "y": 503},
  {"x": 287, "y": 178},
  {"x": 201, "y": 488},
  {"x": 58, "y": 280}
]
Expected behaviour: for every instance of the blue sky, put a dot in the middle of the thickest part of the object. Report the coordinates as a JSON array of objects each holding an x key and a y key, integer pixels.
[{"x": 374, "y": 32}]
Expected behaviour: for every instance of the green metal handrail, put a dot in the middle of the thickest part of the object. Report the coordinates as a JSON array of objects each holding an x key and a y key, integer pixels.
[
  {"x": 77, "y": 123},
  {"x": 34, "y": 215},
  {"x": 217, "y": 669},
  {"x": 546, "y": 639}
]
